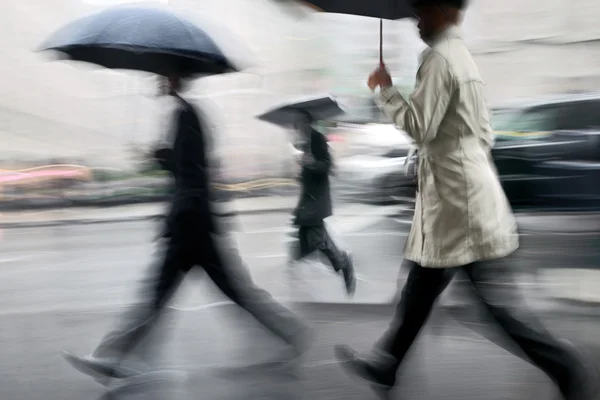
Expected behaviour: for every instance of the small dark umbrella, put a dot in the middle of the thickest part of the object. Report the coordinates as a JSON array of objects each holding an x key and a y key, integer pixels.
[
  {"x": 382, "y": 9},
  {"x": 317, "y": 107},
  {"x": 139, "y": 38}
]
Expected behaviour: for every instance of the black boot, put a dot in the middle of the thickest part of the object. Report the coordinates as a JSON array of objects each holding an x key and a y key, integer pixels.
[
  {"x": 582, "y": 382},
  {"x": 379, "y": 372}
]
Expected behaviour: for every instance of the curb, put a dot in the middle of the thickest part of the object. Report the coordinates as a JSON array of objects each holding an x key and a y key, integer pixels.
[{"x": 47, "y": 224}]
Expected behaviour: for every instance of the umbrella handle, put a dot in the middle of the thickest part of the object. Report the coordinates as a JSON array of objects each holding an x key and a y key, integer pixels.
[{"x": 381, "y": 63}]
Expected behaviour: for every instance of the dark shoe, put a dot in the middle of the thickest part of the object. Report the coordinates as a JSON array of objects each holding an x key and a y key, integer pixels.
[
  {"x": 381, "y": 376},
  {"x": 99, "y": 368},
  {"x": 349, "y": 277},
  {"x": 297, "y": 346},
  {"x": 583, "y": 385}
]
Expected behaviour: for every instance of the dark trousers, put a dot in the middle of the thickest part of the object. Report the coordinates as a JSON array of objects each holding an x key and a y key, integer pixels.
[
  {"x": 495, "y": 288},
  {"x": 190, "y": 245},
  {"x": 316, "y": 238}
]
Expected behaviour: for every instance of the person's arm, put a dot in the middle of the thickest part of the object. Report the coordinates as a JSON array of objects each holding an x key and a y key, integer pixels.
[
  {"x": 321, "y": 161},
  {"x": 164, "y": 157},
  {"x": 421, "y": 116}
]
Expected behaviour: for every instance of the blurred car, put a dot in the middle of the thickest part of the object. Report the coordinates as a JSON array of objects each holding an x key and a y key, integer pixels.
[
  {"x": 547, "y": 153},
  {"x": 372, "y": 168}
]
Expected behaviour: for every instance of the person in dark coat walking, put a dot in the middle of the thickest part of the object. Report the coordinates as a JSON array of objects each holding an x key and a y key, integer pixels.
[
  {"x": 192, "y": 239},
  {"x": 315, "y": 203}
]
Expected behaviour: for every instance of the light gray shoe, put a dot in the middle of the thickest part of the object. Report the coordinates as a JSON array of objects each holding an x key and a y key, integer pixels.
[{"x": 101, "y": 369}]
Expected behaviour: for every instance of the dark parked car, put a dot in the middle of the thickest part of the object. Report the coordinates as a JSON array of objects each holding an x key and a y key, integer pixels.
[{"x": 547, "y": 153}]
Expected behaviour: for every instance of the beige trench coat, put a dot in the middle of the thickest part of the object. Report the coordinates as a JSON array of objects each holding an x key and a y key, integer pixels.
[{"x": 461, "y": 213}]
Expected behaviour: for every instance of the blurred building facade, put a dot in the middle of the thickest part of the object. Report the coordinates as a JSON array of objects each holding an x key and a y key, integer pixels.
[
  {"x": 528, "y": 48},
  {"x": 52, "y": 110}
]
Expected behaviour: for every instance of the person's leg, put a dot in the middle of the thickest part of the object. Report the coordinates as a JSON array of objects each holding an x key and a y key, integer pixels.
[
  {"x": 155, "y": 292},
  {"x": 106, "y": 360},
  {"x": 300, "y": 247},
  {"x": 420, "y": 292},
  {"x": 495, "y": 286},
  {"x": 318, "y": 238},
  {"x": 224, "y": 265}
]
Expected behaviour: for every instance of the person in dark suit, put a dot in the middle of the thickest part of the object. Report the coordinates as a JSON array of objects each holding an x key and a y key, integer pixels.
[
  {"x": 315, "y": 203},
  {"x": 192, "y": 239}
]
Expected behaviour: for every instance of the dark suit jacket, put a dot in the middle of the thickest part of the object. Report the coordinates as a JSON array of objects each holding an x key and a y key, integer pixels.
[
  {"x": 315, "y": 198},
  {"x": 187, "y": 161}
]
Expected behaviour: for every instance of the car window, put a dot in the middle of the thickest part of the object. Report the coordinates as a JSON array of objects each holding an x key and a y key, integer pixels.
[
  {"x": 581, "y": 115},
  {"x": 518, "y": 122},
  {"x": 503, "y": 120}
]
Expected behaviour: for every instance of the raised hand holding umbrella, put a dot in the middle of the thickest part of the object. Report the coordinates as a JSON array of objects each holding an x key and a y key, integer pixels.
[{"x": 380, "y": 77}]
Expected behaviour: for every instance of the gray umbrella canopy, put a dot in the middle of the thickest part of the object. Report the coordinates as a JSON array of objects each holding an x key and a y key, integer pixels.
[
  {"x": 319, "y": 108},
  {"x": 140, "y": 38}
]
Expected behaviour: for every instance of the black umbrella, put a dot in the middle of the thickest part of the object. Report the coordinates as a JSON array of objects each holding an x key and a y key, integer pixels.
[
  {"x": 139, "y": 38},
  {"x": 382, "y": 9},
  {"x": 317, "y": 107}
]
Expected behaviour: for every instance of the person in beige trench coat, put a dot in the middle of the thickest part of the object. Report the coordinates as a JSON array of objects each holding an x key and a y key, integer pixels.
[{"x": 463, "y": 220}]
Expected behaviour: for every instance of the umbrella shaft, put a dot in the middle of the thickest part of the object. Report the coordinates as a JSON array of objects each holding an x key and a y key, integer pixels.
[{"x": 381, "y": 42}]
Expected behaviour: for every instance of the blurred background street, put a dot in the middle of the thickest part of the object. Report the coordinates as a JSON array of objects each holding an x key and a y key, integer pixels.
[
  {"x": 73, "y": 279},
  {"x": 86, "y": 265},
  {"x": 82, "y": 201}
]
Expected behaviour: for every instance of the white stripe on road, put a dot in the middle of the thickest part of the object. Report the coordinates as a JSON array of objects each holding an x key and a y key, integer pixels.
[
  {"x": 282, "y": 255},
  {"x": 354, "y": 223},
  {"x": 262, "y": 231},
  {"x": 26, "y": 256},
  {"x": 201, "y": 307},
  {"x": 368, "y": 234}
]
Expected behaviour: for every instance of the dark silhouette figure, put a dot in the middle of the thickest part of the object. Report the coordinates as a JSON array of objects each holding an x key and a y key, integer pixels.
[
  {"x": 315, "y": 204},
  {"x": 192, "y": 240}
]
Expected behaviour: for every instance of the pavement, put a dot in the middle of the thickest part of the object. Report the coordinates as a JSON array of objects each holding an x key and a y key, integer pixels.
[
  {"x": 63, "y": 286},
  {"x": 90, "y": 263},
  {"x": 92, "y": 260},
  {"x": 208, "y": 354}
]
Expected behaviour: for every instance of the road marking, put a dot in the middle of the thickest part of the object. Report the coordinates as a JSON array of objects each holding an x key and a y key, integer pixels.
[
  {"x": 355, "y": 223},
  {"x": 262, "y": 231},
  {"x": 282, "y": 255},
  {"x": 369, "y": 234},
  {"x": 201, "y": 307},
  {"x": 13, "y": 259},
  {"x": 27, "y": 256}
]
